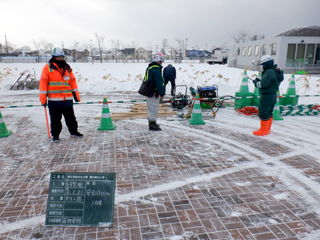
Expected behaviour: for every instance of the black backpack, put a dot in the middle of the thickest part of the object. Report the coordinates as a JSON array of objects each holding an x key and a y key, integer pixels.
[{"x": 279, "y": 74}]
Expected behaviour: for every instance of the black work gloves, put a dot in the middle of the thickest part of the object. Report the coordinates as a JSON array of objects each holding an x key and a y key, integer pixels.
[{"x": 256, "y": 82}]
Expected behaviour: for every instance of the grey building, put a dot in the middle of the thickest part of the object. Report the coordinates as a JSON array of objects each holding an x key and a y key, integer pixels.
[{"x": 292, "y": 54}]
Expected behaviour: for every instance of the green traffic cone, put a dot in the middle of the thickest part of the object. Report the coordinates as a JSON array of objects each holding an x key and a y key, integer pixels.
[
  {"x": 244, "y": 87},
  {"x": 4, "y": 132},
  {"x": 243, "y": 93},
  {"x": 291, "y": 91},
  {"x": 256, "y": 94},
  {"x": 106, "y": 121},
  {"x": 196, "y": 117},
  {"x": 276, "y": 110}
]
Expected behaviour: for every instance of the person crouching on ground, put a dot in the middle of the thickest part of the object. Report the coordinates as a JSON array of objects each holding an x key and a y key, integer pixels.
[
  {"x": 59, "y": 85},
  {"x": 268, "y": 88},
  {"x": 169, "y": 75},
  {"x": 154, "y": 74}
]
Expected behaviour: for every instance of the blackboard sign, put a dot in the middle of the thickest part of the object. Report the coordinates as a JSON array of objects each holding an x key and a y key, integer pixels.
[{"x": 81, "y": 199}]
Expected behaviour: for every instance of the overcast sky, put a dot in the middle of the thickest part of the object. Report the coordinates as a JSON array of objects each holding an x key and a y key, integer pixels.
[{"x": 204, "y": 23}]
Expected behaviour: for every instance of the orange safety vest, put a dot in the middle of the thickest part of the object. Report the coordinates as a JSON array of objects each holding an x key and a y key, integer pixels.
[{"x": 56, "y": 84}]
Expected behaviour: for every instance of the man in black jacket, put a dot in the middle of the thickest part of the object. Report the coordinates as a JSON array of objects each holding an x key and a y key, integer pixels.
[{"x": 169, "y": 74}]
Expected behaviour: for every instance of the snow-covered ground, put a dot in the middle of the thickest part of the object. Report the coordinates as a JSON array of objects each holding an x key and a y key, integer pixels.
[
  {"x": 107, "y": 77},
  {"x": 301, "y": 134}
]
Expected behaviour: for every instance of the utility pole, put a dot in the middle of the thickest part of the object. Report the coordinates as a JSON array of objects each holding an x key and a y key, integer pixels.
[
  {"x": 5, "y": 36},
  {"x": 90, "y": 47}
]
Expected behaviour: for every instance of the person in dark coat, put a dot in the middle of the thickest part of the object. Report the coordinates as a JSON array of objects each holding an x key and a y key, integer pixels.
[
  {"x": 268, "y": 89},
  {"x": 169, "y": 75},
  {"x": 154, "y": 74}
]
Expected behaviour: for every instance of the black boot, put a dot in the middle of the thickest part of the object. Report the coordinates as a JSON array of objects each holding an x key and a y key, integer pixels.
[
  {"x": 172, "y": 91},
  {"x": 77, "y": 134},
  {"x": 55, "y": 138},
  {"x": 153, "y": 126}
]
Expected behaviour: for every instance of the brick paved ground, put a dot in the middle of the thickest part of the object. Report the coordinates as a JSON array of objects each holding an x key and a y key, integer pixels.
[{"x": 216, "y": 181}]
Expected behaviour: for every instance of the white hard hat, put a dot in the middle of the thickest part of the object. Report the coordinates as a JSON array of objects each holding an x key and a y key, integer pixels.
[
  {"x": 57, "y": 52},
  {"x": 265, "y": 58}
]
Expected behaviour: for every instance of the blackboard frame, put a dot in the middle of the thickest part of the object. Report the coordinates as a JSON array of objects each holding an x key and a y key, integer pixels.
[{"x": 81, "y": 199}]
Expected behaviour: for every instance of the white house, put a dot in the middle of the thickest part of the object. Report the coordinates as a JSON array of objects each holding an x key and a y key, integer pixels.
[
  {"x": 292, "y": 54},
  {"x": 142, "y": 53},
  {"x": 220, "y": 51}
]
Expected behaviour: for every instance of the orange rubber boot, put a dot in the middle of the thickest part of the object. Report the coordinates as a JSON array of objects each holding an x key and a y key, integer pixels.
[
  {"x": 270, "y": 124},
  {"x": 264, "y": 128}
]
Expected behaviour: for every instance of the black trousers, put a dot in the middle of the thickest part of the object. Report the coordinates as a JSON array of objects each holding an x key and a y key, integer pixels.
[
  {"x": 266, "y": 105},
  {"x": 69, "y": 117},
  {"x": 173, "y": 84}
]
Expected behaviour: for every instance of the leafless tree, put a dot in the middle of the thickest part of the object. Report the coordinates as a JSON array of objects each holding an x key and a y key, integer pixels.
[
  {"x": 100, "y": 40},
  {"x": 43, "y": 44},
  {"x": 36, "y": 44},
  {"x": 116, "y": 44},
  {"x": 134, "y": 45},
  {"x": 25, "y": 47},
  {"x": 197, "y": 46},
  {"x": 240, "y": 36},
  {"x": 76, "y": 45},
  {"x": 165, "y": 44},
  {"x": 10, "y": 47},
  {"x": 181, "y": 47},
  {"x": 149, "y": 48},
  {"x": 50, "y": 46},
  {"x": 256, "y": 37},
  {"x": 85, "y": 46}
]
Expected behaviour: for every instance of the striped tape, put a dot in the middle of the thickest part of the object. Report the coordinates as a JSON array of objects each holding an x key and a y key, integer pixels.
[
  {"x": 105, "y": 105},
  {"x": 172, "y": 99},
  {"x": 106, "y": 115},
  {"x": 196, "y": 110}
]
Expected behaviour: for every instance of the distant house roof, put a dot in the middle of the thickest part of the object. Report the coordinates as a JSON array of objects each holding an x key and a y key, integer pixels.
[
  {"x": 312, "y": 31},
  {"x": 142, "y": 48},
  {"x": 128, "y": 51},
  {"x": 220, "y": 48},
  {"x": 9, "y": 54},
  {"x": 193, "y": 49}
]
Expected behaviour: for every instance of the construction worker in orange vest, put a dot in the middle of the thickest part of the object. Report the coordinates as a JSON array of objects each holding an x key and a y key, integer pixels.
[{"x": 58, "y": 85}]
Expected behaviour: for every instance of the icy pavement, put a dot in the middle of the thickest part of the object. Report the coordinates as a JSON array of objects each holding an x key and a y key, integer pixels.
[{"x": 215, "y": 181}]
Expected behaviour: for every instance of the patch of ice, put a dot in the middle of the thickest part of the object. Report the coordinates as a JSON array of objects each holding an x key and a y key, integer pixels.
[
  {"x": 281, "y": 196},
  {"x": 272, "y": 221},
  {"x": 21, "y": 224},
  {"x": 244, "y": 184},
  {"x": 236, "y": 214}
]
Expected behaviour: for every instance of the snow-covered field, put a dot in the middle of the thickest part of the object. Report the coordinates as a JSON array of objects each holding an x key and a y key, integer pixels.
[
  {"x": 301, "y": 134},
  {"x": 107, "y": 77}
]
